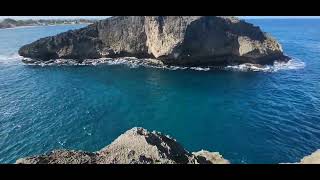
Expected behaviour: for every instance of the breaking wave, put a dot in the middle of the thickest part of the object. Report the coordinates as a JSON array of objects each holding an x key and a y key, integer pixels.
[
  {"x": 292, "y": 64},
  {"x": 10, "y": 56},
  {"x": 6, "y": 59},
  {"x": 127, "y": 61},
  {"x": 152, "y": 63}
]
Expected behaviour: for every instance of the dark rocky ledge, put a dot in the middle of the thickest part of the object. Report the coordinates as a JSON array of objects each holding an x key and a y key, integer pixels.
[{"x": 175, "y": 40}]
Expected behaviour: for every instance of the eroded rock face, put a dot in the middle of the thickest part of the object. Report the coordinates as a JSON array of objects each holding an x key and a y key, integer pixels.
[
  {"x": 175, "y": 40},
  {"x": 61, "y": 157},
  {"x": 136, "y": 146},
  {"x": 206, "y": 157}
]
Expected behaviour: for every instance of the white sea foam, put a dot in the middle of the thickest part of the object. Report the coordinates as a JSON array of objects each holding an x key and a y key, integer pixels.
[
  {"x": 10, "y": 56},
  {"x": 152, "y": 63},
  {"x": 278, "y": 66},
  {"x": 6, "y": 59},
  {"x": 200, "y": 69},
  {"x": 62, "y": 143},
  {"x": 131, "y": 62}
]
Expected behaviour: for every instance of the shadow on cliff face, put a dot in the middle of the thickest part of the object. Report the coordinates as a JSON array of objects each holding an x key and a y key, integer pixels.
[
  {"x": 177, "y": 152},
  {"x": 214, "y": 41}
]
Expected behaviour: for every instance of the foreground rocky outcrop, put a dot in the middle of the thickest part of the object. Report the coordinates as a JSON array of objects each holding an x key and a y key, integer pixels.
[
  {"x": 174, "y": 40},
  {"x": 139, "y": 146},
  {"x": 136, "y": 146},
  {"x": 314, "y": 158}
]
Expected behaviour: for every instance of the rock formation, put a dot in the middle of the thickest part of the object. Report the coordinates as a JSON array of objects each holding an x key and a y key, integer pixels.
[
  {"x": 136, "y": 146},
  {"x": 174, "y": 40},
  {"x": 314, "y": 158}
]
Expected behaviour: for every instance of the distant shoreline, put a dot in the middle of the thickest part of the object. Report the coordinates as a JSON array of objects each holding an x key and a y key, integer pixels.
[
  {"x": 31, "y": 26},
  {"x": 12, "y": 24}
]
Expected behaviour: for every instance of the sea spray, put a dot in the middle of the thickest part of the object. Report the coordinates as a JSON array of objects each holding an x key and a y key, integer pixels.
[
  {"x": 292, "y": 64},
  {"x": 10, "y": 58}
]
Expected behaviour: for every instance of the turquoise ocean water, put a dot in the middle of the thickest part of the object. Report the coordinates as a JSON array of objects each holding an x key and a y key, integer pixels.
[{"x": 249, "y": 117}]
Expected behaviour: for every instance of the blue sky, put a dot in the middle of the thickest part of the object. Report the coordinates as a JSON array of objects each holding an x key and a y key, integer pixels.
[{"x": 102, "y": 17}]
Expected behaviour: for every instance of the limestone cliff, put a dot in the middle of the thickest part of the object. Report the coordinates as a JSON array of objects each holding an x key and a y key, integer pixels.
[{"x": 175, "y": 40}]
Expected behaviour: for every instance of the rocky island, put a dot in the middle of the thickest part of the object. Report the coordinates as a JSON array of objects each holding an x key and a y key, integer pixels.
[{"x": 172, "y": 40}]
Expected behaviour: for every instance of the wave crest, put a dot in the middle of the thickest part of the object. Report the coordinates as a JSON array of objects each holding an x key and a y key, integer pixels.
[
  {"x": 10, "y": 58},
  {"x": 131, "y": 62},
  {"x": 292, "y": 64}
]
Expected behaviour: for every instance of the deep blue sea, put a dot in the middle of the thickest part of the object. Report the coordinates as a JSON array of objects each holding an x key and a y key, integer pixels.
[{"x": 249, "y": 117}]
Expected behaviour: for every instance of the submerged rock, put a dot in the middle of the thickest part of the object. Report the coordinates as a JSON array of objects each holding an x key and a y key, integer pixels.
[
  {"x": 175, "y": 40},
  {"x": 136, "y": 146}
]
